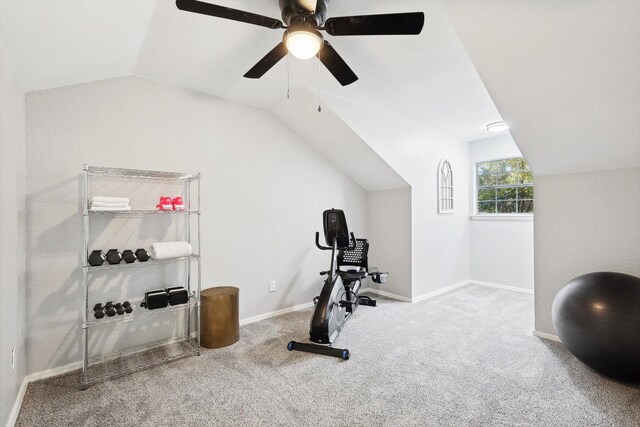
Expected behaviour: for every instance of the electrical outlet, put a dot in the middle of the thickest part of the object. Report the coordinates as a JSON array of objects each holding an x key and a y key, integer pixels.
[
  {"x": 13, "y": 358},
  {"x": 272, "y": 286}
]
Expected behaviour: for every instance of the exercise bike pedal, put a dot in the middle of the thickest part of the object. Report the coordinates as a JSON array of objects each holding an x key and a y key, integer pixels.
[
  {"x": 348, "y": 304},
  {"x": 365, "y": 300}
]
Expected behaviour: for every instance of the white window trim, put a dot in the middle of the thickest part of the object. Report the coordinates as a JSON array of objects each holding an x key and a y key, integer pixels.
[
  {"x": 441, "y": 197},
  {"x": 502, "y": 217},
  {"x": 494, "y": 217}
]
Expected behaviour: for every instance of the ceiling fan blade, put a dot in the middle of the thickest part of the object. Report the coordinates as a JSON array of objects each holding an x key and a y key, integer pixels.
[
  {"x": 228, "y": 13},
  {"x": 266, "y": 63},
  {"x": 373, "y": 25},
  {"x": 336, "y": 65},
  {"x": 308, "y": 5}
]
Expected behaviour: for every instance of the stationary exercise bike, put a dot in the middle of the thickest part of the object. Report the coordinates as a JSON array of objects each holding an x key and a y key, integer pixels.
[{"x": 339, "y": 297}]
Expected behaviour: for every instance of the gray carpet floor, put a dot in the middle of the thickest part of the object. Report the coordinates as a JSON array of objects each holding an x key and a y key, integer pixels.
[{"x": 466, "y": 358}]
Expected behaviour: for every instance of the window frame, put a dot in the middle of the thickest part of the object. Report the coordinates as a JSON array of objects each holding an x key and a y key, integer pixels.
[
  {"x": 445, "y": 201},
  {"x": 496, "y": 215}
]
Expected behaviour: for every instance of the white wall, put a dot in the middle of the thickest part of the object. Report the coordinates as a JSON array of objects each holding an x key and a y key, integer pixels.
[
  {"x": 345, "y": 149},
  {"x": 439, "y": 243},
  {"x": 390, "y": 239},
  {"x": 565, "y": 78},
  {"x": 12, "y": 210},
  {"x": 264, "y": 190},
  {"x": 501, "y": 248},
  {"x": 563, "y": 74},
  {"x": 584, "y": 222}
]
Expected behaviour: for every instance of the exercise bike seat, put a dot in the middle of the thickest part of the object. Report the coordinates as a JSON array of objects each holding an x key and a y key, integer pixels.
[{"x": 352, "y": 275}]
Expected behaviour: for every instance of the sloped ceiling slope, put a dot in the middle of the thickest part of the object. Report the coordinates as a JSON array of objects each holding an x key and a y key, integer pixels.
[
  {"x": 343, "y": 147},
  {"x": 56, "y": 43},
  {"x": 564, "y": 74},
  {"x": 428, "y": 79}
]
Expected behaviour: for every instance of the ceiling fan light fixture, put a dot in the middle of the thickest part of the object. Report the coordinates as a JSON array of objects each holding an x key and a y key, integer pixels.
[
  {"x": 304, "y": 43},
  {"x": 302, "y": 19},
  {"x": 496, "y": 127}
]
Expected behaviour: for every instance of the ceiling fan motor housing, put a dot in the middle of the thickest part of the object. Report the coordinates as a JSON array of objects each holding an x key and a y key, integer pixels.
[{"x": 293, "y": 14}]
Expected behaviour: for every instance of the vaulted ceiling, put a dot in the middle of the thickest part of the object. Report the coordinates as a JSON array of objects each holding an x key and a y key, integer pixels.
[
  {"x": 565, "y": 74},
  {"x": 427, "y": 79}
]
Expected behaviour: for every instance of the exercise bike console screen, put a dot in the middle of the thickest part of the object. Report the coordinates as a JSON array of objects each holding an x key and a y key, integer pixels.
[{"x": 335, "y": 227}]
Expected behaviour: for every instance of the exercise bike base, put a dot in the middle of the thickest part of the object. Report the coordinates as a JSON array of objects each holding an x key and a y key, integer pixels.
[{"x": 342, "y": 353}]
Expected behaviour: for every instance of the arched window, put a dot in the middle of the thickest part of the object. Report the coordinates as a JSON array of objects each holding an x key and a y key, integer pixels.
[{"x": 445, "y": 187}]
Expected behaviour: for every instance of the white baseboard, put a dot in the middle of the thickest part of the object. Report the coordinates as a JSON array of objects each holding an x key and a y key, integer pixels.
[
  {"x": 497, "y": 286},
  {"x": 440, "y": 291},
  {"x": 48, "y": 373},
  {"x": 53, "y": 372},
  {"x": 416, "y": 299},
  {"x": 445, "y": 290},
  {"x": 36, "y": 376},
  {"x": 386, "y": 294},
  {"x": 260, "y": 317},
  {"x": 421, "y": 297},
  {"x": 13, "y": 417},
  {"x": 546, "y": 336}
]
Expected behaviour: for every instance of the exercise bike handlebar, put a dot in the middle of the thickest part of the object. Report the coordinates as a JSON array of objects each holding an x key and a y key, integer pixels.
[{"x": 351, "y": 246}]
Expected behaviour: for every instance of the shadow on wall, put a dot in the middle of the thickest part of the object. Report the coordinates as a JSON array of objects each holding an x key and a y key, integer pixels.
[
  {"x": 293, "y": 285},
  {"x": 54, "y": 290},
  {"x": 43, "y": 251}
]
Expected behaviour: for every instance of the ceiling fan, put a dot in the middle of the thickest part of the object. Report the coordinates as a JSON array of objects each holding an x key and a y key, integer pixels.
[{"x": 303, "y": 21}]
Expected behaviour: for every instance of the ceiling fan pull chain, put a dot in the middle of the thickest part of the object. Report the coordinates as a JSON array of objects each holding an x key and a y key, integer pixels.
[
  {"x": 319, "y": 66},
  {"x": 288, "y": 76}
]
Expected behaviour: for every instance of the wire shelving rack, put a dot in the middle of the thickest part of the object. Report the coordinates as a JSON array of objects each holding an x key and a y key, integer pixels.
[{"x": 122, "y": 362}]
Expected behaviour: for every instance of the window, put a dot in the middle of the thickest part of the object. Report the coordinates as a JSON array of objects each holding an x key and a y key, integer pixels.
[
  {"x": 445, "y": 187},
  {"x": 504, "y": 187}
]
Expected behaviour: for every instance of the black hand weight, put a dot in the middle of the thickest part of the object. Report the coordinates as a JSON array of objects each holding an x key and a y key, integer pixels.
[
  {"x": 119, "y": 308},
  {"x": 98, "y": 311},
  {"x": 114, "y": 256},
  {"x": 177, "y": 295},
  {"x": 109, "y": 309},
  {"x": 142, "y": 255},
  {"x": 128, "y": 256},
  {"x": 156, "y": 299},
  {"x": 96, "y": 258}
]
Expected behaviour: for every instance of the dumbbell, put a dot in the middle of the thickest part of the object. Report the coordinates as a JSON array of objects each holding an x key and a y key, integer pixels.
[
  {"x": 142, "y": 255},
  {"x": 119, "y": 308},
  {"x": 98, "y": 311},
  {"x": 127, "y": 307},
  {"x": 96, "y": 258},
  {"x": 114, "y": 256},
  {"x": 109, "y": 309},
  {"x": 128, "y": 256}
]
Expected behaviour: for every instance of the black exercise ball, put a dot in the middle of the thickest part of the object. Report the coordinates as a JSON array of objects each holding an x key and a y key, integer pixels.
[{"x": 597, "y": 317}]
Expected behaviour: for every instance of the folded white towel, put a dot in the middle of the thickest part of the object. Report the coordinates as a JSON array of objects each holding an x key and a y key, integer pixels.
[
  {"x": 104, "y": 199},
  {"x": 165, "y": 250},
  {"x": 100, "y": 208},
  {"x": 109, "y": 205}
]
